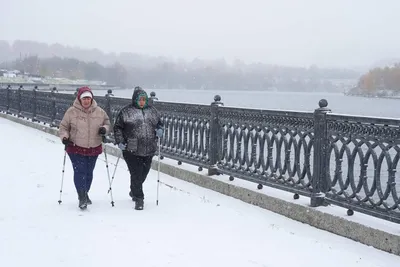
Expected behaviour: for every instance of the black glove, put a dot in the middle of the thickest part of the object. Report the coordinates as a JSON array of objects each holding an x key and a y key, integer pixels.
[
  {"x": 66, "y": 141},
  {"x": 102, "y": 130}
]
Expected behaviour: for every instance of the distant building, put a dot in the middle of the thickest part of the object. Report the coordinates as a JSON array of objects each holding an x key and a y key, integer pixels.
[
  {"x": 10, "y": 74},
  {"x": 35, "y": 77}
]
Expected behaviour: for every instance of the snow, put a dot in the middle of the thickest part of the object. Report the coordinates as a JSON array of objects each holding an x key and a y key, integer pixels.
[
  {"x": 367, "y": 220},
  {"x": 191, "y": 226}
]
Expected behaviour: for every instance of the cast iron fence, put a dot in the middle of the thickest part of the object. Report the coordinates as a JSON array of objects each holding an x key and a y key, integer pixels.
[{"x": 349, "y": 161}]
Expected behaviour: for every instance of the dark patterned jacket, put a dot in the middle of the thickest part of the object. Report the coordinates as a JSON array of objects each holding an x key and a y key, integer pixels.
[{"x": 135, "y": 127}]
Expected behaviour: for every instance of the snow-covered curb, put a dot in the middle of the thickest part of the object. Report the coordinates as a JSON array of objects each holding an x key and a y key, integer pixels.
[{"x": 365, "y": 229}]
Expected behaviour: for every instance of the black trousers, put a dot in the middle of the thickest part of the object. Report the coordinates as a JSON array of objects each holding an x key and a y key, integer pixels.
[{"x": 139, "y": 168}]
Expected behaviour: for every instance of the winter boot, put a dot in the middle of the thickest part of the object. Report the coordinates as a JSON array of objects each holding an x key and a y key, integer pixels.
[
  {"x": 88, "y": 201},
  {"x": 139, "y": 204},
  {"x": 82, "y": 200},
  {"x": 133, "y": 198}
]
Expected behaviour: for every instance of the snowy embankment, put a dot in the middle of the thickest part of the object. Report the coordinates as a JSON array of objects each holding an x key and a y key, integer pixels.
[{"x": 192, "y": 226}]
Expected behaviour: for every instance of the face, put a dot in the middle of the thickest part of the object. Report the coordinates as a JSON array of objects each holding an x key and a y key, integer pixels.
[
  {"x": 142, "y": 101},
  {"x": 86, "y": 102}
]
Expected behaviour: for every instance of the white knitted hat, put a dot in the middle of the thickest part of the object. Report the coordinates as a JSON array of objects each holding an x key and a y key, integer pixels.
[{"x": 86, "y": 94}]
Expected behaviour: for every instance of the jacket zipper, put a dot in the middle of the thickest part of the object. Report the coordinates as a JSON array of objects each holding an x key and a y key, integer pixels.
[
  {"x": 144, "y": 121},
  {"x": 88, "y": 124}
]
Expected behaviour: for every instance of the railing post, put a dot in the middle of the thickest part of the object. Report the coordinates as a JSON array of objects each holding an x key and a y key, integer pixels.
[
  {"x": 8, "y": 99},
  {"x": 215, "y": 136},
  {"x": 19, "y": 101},
  {"x": 108, "y": 108},
  {"x": 34, "y": 111},
  {"x": 54, "y": 107},
  {"x": 320, "y": 163},
  {"x": 152, "y": 98}
]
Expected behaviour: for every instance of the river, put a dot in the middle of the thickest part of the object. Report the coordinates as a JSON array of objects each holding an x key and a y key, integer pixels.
[{"x": 337, "y": 102}]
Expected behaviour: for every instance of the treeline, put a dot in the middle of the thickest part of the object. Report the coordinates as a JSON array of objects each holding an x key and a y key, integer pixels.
[
  {"x": 70, "y": 68},
  {"x": 129, "y": 69},
  {"x": 379, "y": 80}
]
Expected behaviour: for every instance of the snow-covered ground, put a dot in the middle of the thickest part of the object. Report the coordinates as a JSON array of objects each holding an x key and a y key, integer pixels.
[{"x": 191, "y": 226}]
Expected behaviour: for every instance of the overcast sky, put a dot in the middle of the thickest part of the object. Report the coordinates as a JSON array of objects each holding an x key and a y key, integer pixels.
[{"x": 290, "y": 32}]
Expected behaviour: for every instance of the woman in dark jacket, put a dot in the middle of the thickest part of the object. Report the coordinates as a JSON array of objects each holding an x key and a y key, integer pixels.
[{"x": 136, "y": 129}]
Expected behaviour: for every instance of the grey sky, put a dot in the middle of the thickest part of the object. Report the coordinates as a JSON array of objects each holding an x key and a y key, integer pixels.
[{"x": 290, "y": 32}]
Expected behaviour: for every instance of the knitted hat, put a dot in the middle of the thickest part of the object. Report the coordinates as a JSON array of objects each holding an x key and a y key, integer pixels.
[{"x": 84, "y": 92}]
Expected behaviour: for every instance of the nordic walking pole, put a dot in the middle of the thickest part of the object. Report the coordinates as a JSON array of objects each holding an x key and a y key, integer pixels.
[
  {"x": 62, "y": 177},
  {"x": 115, "y": 170},
  {"x": 108, "y": 173},
  {"x": 158, "y": 172}
]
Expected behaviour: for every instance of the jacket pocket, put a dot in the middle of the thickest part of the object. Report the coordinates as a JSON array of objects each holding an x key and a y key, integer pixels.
[{"x": 132, "y": 144}]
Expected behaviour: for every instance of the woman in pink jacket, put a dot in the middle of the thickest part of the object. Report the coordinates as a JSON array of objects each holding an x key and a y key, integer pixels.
[{"x": 81, "y": 131}]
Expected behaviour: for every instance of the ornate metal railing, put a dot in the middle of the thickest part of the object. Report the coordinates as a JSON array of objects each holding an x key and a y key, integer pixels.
[
  {"x": 347, "y": 161},
  {"x": 362, "y": 163},
  {"x": 268, "y": 147}
]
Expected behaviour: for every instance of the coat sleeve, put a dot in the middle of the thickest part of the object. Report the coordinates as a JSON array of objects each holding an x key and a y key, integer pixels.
[
  {"x": 160, "y": 124},
  {"x": 65, "y": 125},
  {"x": 106, "y": 122},
  {"x": 119, "y": 128}
]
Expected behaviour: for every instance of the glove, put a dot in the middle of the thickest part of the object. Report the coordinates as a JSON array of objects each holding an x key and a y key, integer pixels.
[
  {"x": 102, "y": 130},
  {"x": 159, "y": 132},
  {"x": 121, "y": 146},
  {"x": 66, "y": 141}
]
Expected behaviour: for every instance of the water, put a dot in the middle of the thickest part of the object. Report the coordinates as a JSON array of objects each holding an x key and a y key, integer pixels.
[{"x": 338, "y": 103}]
